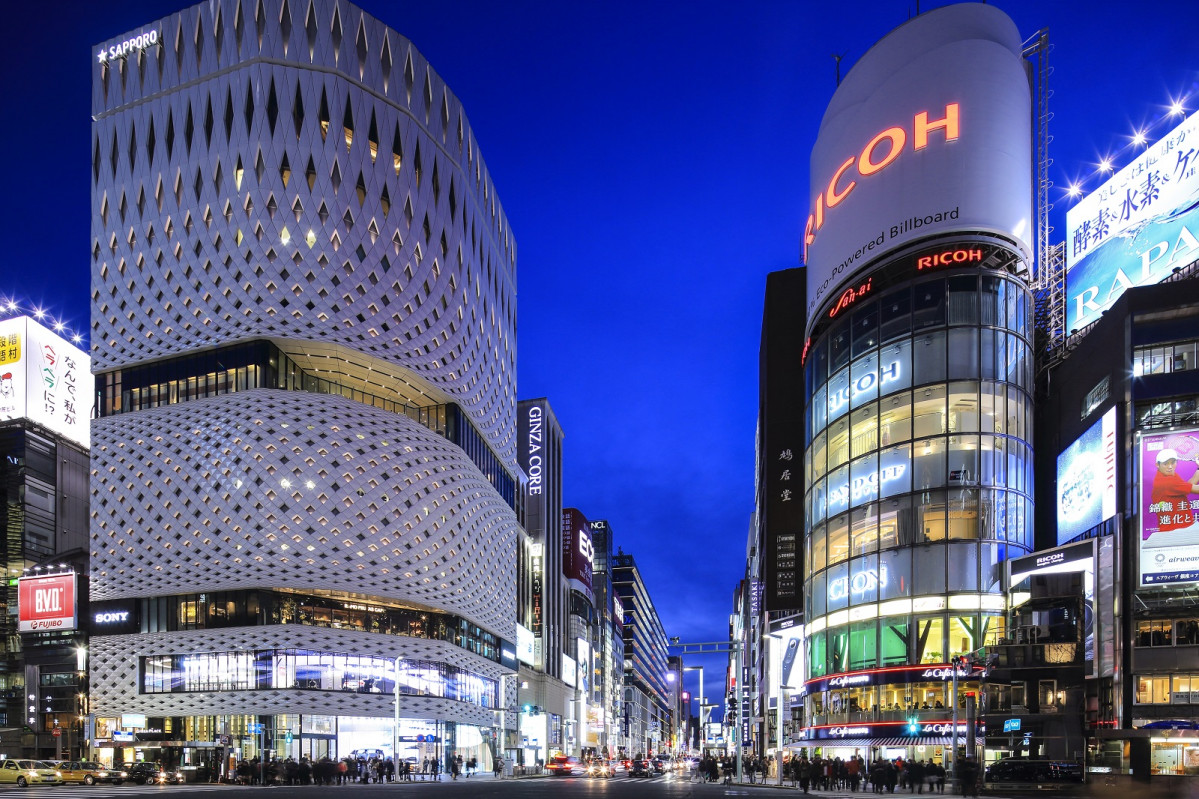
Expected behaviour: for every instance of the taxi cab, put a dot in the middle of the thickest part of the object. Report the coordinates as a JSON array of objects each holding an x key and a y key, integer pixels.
[
  {"x": 89, "y": 772},
  {"x": 563, "y": 766},
  {"x": 29, "y": 772}
]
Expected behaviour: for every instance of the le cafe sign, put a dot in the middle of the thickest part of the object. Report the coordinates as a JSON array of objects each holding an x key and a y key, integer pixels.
[
  {"x": 865, "y": 730},
  {"x": 888, "y": 677}
]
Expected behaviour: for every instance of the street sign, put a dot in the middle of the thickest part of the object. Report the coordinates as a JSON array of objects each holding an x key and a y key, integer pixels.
[
  {"x": 254, "y": 728},
  {"x": 57, "y": 732}
]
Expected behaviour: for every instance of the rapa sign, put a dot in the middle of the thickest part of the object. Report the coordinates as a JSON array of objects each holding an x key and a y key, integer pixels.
[{"x": 46, "y": 604}]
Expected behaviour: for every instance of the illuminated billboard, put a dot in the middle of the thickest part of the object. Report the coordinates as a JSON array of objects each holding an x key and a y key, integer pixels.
[
  {"x": 45, "y": 379},
  {"x": 1136, "y": 228},
  {"x": 46, "y": 604},
  {"x": 578, "y": 553},
  {"x": 929, "y": 132},
  {"x": 1077, "y": 557},
  {"x": 1086, "y": 480},
  {"x": 1169, "y": 507}
]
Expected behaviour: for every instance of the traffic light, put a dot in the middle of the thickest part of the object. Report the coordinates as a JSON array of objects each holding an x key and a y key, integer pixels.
[
  {"x": 527, "y": 707},
  {"x": 730, "y": 709},
  {"x": 913, "y": 726}
]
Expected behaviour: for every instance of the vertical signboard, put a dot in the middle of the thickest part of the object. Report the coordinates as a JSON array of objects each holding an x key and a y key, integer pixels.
[
  {"x": 1136, "y": 228},
  {"x": 1078, "y": 557},
  {"x": 1169, "y": 507},
  {"x": 578, "y": 554},
  {"x": 531, "y": 451},
  {"x": 781, "y": 397},
  {"x": 46, "y": 604},
  {"x": 45, "y": 379},
  {"x": 1086, "y": 480}
]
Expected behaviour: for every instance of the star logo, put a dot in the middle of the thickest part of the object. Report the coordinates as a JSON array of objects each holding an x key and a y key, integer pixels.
[{"x": 103, "y": 56}]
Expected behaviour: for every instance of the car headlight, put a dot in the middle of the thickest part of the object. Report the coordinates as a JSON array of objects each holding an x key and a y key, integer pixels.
[
  {"x": 124, "y": 773},
  {"x": 58, "y": 774}
]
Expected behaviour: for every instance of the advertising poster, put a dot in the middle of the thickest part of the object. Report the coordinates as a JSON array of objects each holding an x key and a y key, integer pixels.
[
  {"x": 46, "y": 604},
  {"x": 1136, "y": 228},
  {"x": 45, "y": 379},
  {"x": 1086, "y": 480},
  {"x": 1169, "y": 507}
]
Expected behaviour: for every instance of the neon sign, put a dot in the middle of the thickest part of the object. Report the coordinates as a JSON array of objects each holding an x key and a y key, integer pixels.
[
  {"x": 140, "y": 42},
  {"x": 960, "y": 255},
  {"x": 850, "y": 296},
  {"x": 895, "y": 139}
]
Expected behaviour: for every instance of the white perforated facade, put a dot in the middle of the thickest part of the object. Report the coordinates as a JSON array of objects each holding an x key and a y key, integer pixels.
[{"x": 294, "y": 172}]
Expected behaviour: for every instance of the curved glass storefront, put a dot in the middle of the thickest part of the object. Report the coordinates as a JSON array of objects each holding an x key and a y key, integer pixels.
[{"x": 917, "y": 466}]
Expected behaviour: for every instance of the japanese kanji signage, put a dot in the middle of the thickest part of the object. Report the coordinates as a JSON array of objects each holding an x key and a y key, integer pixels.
[
  {"x": 45, "y": 379},
  {"x": 1135, "y": 229}
]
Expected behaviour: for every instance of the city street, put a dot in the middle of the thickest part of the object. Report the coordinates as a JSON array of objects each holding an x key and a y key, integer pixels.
[{"x": 475, "y": 787}]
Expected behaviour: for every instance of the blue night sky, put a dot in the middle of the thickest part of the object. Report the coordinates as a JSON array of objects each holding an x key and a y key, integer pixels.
[{"x": 652, "y": 159}]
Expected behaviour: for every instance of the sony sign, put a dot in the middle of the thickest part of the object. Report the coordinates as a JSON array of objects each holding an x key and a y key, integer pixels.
[{"x": 929, "y": 133}]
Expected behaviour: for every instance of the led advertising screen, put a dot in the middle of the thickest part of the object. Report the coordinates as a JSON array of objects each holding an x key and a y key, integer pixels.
[
  {"x": 46, "y": 604},
  {"x": 930, "y": 132},
  {"x": 1169, "y": 507},
  {"x": 1136, "y": 228},
  {"x": 45, "y": 379},
  {"x": 1086, "y": 480},
  {"x": 1077, "y": 557}
]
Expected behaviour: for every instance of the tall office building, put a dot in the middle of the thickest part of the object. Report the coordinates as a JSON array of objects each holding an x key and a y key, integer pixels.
[
  {"x": 647, "y": 719},
  {"x": 45, "y": 409},
  {"x": 918, "y": 377},
  {"x": 303, "y": 326}
]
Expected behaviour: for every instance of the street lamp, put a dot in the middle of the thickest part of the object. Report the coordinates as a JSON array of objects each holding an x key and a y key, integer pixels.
[{"x": 395, "y": 743}]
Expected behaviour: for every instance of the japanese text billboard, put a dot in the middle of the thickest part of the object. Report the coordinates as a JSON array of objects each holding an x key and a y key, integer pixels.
[
  {"x": 1086, "y": 480},
  {"x": 45, "y": 379},
  {"x": 1135, "y": 229},
  {"x": 46, "y": 604},
  {"x": 1169, "y": 507},
  {"x": 929, "y": 133}
]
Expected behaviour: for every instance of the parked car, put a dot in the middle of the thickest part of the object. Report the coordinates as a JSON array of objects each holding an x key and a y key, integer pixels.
[
  {"x": 29, "y": 772},
  {"x": 90, "y": 773},
  {"x": 146, "y": 772},
  {"x": 563, "y": 766}
]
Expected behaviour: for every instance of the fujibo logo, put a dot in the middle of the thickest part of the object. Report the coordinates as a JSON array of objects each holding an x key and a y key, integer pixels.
[{"x": 122, "y": 50}]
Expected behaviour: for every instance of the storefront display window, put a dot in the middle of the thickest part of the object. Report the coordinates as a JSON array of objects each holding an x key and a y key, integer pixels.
[
  {"x": 895, "y": 640},
  {"x": 930, "y": 640},
  {"x": 863, "y": 645},
  {"x": 863, "y": 530}
]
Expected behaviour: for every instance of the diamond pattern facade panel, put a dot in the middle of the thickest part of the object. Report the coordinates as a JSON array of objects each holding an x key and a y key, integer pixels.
[
  {"x": 115, "y": 675},
  {"x": 296, "y": 170},
  {"x": 289, "y": 489}
]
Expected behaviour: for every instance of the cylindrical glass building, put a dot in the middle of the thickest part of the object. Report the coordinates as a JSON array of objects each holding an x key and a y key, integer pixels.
[{"x": 918, "y": 375}]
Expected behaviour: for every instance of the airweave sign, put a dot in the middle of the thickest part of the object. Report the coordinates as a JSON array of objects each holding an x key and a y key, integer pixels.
[{"x": 46, "y": 604}]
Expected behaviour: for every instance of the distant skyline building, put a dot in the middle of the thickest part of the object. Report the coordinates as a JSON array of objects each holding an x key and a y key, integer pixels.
[
  {"x": 304, "y": 478},
  {"x": 647, "y": 716}
]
